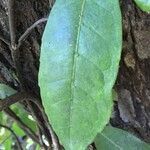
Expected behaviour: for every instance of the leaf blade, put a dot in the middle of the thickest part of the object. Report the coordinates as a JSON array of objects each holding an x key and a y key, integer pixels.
[
  {"x": 116, "y": 139},
  {"x": 143, "y": 5},
  {"x": 6, "y": 91},
  {"x": 67, "y": 86}
]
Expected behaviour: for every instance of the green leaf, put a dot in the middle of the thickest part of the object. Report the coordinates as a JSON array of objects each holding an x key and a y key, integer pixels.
[
  {"x": 4, "y": 118},
  {"x": 6, "y": 91},
  {"x": 4, "y": 134},
  {"x": 17, "y": 130},
  {"x": 117, "y": 139},
  {"x": 79, "y": 61},
  {"x": 8, "y": 144},
  {"x": 23, "y": 114},
  {"x": 1, "y": 116},
  {"x": 143, "y": 5},
  {"x": 38, "y": 147}
]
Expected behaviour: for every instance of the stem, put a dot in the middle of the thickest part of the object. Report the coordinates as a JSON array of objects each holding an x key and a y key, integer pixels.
[
  {"x": 7, "y": 102},
  {"x": 41, "y": 139},
  {"x": 12, "y": 23},
  {"x": 13, "y": 133},
  {"x": 53, "y": 135},
  {"x": 28, "y": 31},
  {"x": 23, "y": 126},
  {"x": 22, "y": 96},
  {"x": 5, "y": 41},
  {"x": 38, "y": 120}
]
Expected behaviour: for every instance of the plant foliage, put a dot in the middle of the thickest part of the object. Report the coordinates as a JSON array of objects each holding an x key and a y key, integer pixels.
[
  {"x": 79, "y": 61},
  {"x": 6, "y": 137},
  {"x": 143, "y": 5},
  {"x": 116, "y": 139}
]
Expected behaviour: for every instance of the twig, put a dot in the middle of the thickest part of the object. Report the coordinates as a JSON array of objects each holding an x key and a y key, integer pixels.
[
  {"x": 5, "y": 41},
  {"x": 12, "y": 23},
  {"x": 21, "y": 96},
  {"x": 14, "y": 49},
  {"x": 18, "y": 97},
  {"x": 24, "y": 96},
  {"x": 51, "y": 3},
  {"x": 41, "y": 139},
  {"x": 13, "y": 46},
  {"x": 53, "y": 135},
  {"x": 7, "y": 102},
  {"x": 23, "y": 126},
  {"x": 14, "y": 134},
  {"x": 55, "y": 141},
  {"x": 28, "y": 31},
  {"x": 5, "y": 139},
  {"x": 38, "y": 120}
]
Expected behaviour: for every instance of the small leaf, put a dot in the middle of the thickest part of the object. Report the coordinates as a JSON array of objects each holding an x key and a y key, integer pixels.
[
  {"x": 4, "y": 134},
  {"x": 6, "y": 91},
  {"x": 116, "y": 139},
  {"x": 143, "y": 5},
  {"x": 4, "y": 118},
  {"x": 79, "y": 60},
  {"x": 38, "y": 147},
  {"x": 1, "y": 117},
  {"x": 8, "y": 144},
  {"x": 17, "y": 130},
  {"x": 23, "y": 114}
]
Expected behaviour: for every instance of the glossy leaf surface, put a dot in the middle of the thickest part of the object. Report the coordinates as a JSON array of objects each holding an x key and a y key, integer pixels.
[
  {"x": 143, "y": 4},
  {"x": 116, "y": 139},
  {"x": 79, "y": 61}
]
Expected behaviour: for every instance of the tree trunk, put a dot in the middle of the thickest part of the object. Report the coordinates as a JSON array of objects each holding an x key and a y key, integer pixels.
[
  {"x": 133, "y": 82},
  {"x": 132, "y": 107}
]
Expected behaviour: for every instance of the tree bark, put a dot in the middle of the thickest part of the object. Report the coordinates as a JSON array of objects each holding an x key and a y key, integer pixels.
[
  {"x": 132, "y": 107},
  {"x": 133, "y": 82}
]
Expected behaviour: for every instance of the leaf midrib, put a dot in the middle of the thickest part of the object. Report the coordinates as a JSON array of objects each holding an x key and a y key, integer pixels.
[
  {"x": 112, "y": 142},
  {"x": 75, "y": 55}
]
